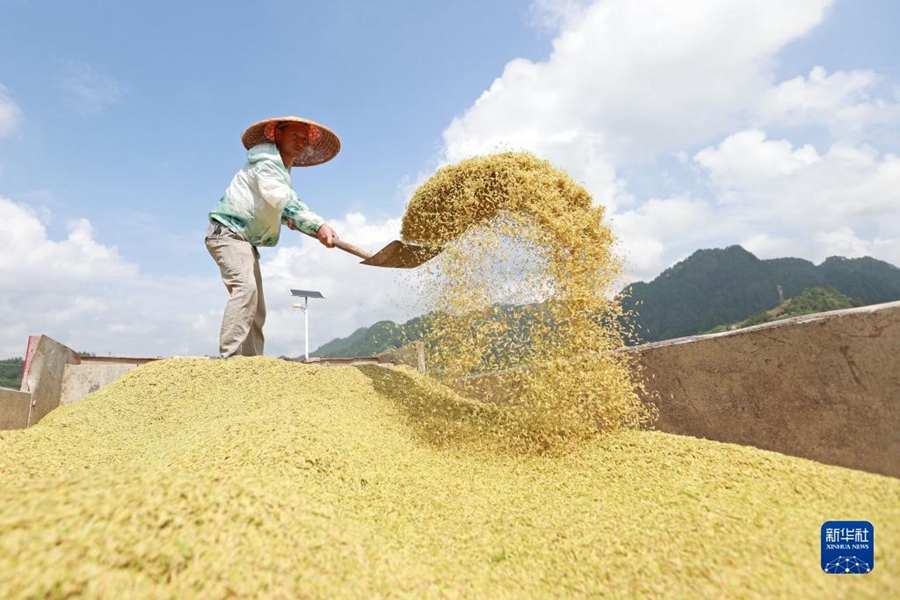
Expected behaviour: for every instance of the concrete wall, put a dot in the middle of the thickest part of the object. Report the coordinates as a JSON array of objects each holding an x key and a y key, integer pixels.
[
  {"x": 43, "y": 374},
  {"x": 90, "y": 374},
  {"x": 824, "y": 387},
  {"x": 14, "y": 409},
  {"x": 411, "y": 355},
  {"x": 55, "y": 374}
]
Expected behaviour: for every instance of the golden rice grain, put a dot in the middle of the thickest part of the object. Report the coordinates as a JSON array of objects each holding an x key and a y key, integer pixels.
[
  {"x": 256, "y": 477},
  {"x": 263, "y": 478},
  {"x": 516, "y": 230}
]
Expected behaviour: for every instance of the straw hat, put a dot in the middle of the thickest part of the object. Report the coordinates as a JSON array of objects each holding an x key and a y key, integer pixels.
[{"x": 321, "y": 150}]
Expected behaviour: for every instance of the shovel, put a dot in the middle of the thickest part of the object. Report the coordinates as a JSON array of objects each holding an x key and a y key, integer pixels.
[{"x": 396, "y": 255}]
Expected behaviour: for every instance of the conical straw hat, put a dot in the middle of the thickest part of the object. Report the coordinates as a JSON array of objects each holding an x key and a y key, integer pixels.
[{"x": 322, "y": 150}]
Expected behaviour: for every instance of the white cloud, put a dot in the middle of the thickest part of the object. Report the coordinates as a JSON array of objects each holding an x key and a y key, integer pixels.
[
  {"x": 841, "y": 241},
  {"x": 91, "y": 90},
  {"x": 775, "y": 180},
  {"x": 775, "y": 200},
  {"x": 32, "y": 261},
  {"x": 48, "y": 283},
  {"x": 631, "y": 82},
  {"x": 10, "y": 114},
  {"x": 747, "y": 157},
  {"x": 661, "y": 231},
  {"x": 552, "y": 15},
  {"x": 86, "y": 295},
  {"x": 631, "y": 79},
  {"x": 841, "y": 101},
  {"x": 797, "y": 202}
]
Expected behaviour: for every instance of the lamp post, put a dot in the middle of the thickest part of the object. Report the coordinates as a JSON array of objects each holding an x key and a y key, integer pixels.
[{"x": 306, "y": 295}]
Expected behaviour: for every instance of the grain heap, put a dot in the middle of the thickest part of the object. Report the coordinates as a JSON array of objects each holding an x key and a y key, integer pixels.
[
  {"x": 516, "y": 230},
  {"x": 256, "y": 477}
]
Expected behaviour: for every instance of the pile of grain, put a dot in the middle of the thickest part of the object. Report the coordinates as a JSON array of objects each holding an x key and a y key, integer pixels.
[
  {"x": 526, "y": 285},
  {"x": 259, "y": 477}
]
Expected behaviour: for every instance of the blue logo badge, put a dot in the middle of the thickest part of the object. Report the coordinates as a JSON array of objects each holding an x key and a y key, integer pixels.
[{"x": 848, "y": 547}]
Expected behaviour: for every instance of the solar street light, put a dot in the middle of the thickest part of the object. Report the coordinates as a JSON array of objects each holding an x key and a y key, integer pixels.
[{"x": 306, "y": 295}]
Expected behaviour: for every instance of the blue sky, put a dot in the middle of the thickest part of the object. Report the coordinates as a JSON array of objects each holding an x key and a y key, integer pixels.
[
  {"x": 697, "y": 124},
  {"x": 169, "y": 86}
]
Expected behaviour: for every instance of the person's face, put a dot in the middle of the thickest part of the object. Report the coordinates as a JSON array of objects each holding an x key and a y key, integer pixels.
[{"x": 292, "y": 139}]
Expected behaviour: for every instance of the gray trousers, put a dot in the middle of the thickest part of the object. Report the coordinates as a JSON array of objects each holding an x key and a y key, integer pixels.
[{"x": 245, "y": 312}]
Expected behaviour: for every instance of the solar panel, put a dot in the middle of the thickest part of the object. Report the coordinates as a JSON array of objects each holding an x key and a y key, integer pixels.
[{"x": 306, "y": 294}]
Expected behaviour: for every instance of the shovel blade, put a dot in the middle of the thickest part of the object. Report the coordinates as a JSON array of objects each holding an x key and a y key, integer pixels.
[{"x": 400, "y": 255}]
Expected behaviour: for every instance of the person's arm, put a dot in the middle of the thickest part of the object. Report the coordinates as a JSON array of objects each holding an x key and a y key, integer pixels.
[
  {"x": 294, "y": 213},
  {"x": 277, "y": 192},
  {"x": 297, "y": 216}
]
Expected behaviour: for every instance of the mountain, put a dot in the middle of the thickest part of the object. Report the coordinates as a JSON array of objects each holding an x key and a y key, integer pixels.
[
  {"x": 813, "y": 300},
  {"x": 816, "y": 299},
  {"x": 722, "y": 286},
  {"x": 865, "y": 279},
  {"x": 373, "y": 340},
  {"x": 710, "y": 289},
  {"x": 365, "y": 341},
  {"x": 384, "y": 335}
]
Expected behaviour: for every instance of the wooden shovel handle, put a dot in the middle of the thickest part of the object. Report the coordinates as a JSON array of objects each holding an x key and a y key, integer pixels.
[{"x": 347, "y": 247}]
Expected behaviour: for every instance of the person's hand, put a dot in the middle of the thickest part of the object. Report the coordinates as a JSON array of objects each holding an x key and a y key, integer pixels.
[{"x": 327, "y": 236}]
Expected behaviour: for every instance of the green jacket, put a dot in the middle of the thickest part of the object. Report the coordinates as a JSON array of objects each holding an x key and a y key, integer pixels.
[{"x": 260, "y": 198}]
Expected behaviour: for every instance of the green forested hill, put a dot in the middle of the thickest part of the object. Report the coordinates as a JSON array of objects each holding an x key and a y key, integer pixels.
[
  {"x": 11, "y": 373},
  {"x": 710, "y": 289},
  {"x": 384, "y": 335},
  {"x": 365, "y": 341},
  {"x": 718, "y": 287},
  {"x": 815, "y": 299},
  {"x": 864, "y": 279},
  {"x": 369, "y": 341}
]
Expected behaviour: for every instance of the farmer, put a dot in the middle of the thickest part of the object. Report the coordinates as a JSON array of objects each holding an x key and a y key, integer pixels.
[{"x": 258, "y": 200}]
